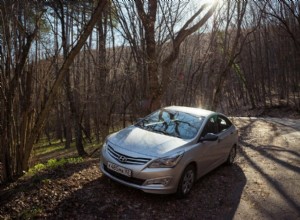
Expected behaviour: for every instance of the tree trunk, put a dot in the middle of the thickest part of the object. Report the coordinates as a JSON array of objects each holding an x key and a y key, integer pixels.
[
  {"x": 157, "y": 89},
  {"x": 42, "y": 116}
]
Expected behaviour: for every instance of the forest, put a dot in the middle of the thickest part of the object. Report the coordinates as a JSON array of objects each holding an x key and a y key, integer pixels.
[{"x": 75, "y": 71}]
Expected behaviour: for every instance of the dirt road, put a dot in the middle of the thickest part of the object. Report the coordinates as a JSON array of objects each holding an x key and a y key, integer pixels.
[
  {"x": 270, "y": 160},
  {"x": 264, "y": 183}
]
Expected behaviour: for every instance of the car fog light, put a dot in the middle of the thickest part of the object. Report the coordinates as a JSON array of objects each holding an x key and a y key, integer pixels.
[{"x": 159, "y": 181}]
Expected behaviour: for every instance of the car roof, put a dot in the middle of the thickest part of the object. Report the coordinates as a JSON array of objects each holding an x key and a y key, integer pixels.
[{"x": 191, "y": 110}]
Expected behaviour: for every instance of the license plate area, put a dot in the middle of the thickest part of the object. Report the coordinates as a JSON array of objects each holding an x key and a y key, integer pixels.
[{"x": 122, "y": 170}]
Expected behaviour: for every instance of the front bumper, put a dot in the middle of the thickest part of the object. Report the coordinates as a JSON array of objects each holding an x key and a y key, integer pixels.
[{"x": 142, "y": 179}]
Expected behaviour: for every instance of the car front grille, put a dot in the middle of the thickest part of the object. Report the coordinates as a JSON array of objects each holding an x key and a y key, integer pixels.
[
  {"x": 124, "y": 178},
  {"x": 125, "y": 159}
]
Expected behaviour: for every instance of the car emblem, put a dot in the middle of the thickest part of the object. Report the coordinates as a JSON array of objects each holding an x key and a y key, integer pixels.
[{"x": 122, "y": 159}]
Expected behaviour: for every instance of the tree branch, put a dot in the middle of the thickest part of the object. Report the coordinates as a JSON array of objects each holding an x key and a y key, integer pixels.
[{"x": 63, "y": 71}]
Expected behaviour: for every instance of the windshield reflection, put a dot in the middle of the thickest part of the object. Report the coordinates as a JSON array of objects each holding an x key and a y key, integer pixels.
[{"x": 172, "y": 123}]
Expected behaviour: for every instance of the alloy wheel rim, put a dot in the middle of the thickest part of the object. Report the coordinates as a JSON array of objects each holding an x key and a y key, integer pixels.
[{"x": 188, "y": 181}]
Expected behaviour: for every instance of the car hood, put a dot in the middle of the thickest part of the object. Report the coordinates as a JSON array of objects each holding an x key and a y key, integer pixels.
[{"x": 145, "y": 142}]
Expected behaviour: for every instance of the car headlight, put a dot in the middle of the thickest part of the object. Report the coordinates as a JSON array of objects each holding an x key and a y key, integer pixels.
[{"x": 166, "y": 162}]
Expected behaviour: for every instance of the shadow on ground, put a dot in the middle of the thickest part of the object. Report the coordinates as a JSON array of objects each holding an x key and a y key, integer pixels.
[
  {"x": 216, "y": 195},
  {"x": 27, "y": 185},
  {"x": 270, "y": 158}
]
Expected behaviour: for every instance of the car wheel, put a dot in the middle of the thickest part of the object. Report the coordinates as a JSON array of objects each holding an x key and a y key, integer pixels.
[
  {"x": 231, "y": 155},
  {"x": 186, "y": 181}
]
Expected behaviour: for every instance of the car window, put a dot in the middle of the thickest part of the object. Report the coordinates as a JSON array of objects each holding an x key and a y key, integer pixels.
[
  {"x": 172, "y": 123},
  {"x": 211, "y": 126},
  {"x": 223, "y": 123}
]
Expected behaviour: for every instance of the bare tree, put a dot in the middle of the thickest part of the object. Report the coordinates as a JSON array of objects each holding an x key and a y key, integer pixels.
[
  {"x": 230, "y": 46},
  {"x": 17, "y": 37},
  {"x": 15, "y": 152},
  {"x": 158, "y": 71}
]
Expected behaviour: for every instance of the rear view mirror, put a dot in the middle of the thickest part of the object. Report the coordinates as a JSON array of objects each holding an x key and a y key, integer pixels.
[{"x": 209, "y": 137}]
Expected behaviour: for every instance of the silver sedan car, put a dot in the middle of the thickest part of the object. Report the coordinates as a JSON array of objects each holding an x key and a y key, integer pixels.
[{"x": 167, "y": 151}]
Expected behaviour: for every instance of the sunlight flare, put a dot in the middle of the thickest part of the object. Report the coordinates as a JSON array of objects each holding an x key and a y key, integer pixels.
[{"x": 211, "y": 2}]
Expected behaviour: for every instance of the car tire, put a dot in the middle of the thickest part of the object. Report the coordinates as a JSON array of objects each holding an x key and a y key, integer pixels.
[
  {"x": 231, "y": 156},
  {"x": 186, "y": 181}
]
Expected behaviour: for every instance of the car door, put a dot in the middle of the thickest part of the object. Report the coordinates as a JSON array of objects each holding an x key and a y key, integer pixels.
[
  {"x": 207, "y": 151},
  {"x": 226, "y": 137}
]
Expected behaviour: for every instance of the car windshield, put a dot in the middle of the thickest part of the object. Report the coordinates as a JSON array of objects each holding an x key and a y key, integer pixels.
[{"x": 172, "y": 123}]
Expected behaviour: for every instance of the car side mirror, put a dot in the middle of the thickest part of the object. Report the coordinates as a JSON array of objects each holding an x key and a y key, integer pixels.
[{"x": 209, "y": 137}]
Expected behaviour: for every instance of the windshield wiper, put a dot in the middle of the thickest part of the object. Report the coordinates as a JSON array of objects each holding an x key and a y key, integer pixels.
[
  {"x": 138, "y": 125},
  {"x": 161, "y": 132}
]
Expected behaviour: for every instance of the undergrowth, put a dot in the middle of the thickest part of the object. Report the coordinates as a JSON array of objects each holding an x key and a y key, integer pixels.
[{"x": 53, "y": 164}]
